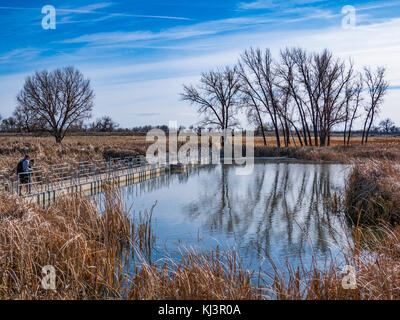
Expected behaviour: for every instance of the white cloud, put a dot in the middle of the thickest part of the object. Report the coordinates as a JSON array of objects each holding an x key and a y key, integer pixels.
[
  {"x": 377, "y": 44},
  {"x": 128, "y": 89}
]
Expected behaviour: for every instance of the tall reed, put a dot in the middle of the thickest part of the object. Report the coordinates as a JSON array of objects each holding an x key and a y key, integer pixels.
[
  {"x": 373, "y": 192},
  {"x": 104, "y": 255}
]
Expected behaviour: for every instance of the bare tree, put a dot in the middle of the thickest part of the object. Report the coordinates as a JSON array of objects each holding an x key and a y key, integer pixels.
[
  {"x": 253, "y": 111},
  {"x": 26, "y": 121},
  {"x": 335, "y": 78},
  {"x": 302, "y": 94},
  {"x": 290, "y": 83},
  {"x": 105, "y": 124},
  {"x": 387, "y": 125},
  {"x": 259, "y": 78},
  {"x": 354, "y": 99},
  {"x": 8, "y": 125},
  {"x": 56, "y": 100},
  {"x": 217, "y": 97},
  {"x": 377, "y": 87},
  {"x": 317, "y": 83}
]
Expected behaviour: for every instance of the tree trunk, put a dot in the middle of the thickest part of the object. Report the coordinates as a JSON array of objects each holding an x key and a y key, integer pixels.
[
  {"x": 278, "y": 141},
  {"x": 365, "y": 128},
  {"x": 262, "y": 128},
  {"x": 58, "y": 138},
  {"x": 369, "y": 128}
]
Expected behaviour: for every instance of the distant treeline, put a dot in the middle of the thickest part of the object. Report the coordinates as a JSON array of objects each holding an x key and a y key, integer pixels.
[{"x": 106, "y": 126}]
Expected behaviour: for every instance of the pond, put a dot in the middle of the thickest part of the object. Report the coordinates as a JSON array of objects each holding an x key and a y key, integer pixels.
[{"x": 283, "y": 207}]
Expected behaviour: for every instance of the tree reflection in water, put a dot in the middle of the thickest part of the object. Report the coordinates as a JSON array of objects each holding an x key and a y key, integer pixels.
[{"x": 282, "y": 207}]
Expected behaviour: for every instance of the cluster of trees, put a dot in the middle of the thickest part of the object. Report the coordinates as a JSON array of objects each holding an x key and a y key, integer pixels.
[
  {"x": 386, "y": 126},
  {"x": 303, "y": 95},
  {"x": 18, "y": 123}
]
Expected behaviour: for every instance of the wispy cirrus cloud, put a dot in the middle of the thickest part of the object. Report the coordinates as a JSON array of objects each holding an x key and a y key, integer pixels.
[
  {"x": 94, "y": 9},
  {"x": 20, "y": 54},
  {"x": 268, "y": 4},
  {"x": 376, "y": 5},
  {"x": 84, "y": 9},
  {"x": 202, "y": 29}
]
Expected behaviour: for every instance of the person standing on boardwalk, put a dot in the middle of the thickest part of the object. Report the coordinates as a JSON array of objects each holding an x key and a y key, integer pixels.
[{"x": 23, "y": 173}]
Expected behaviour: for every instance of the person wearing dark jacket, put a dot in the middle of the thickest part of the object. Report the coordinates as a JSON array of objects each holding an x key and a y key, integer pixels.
[{"x": 23, "y": 172}]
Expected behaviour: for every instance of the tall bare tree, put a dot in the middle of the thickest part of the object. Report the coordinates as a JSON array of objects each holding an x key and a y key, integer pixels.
[
  {"x": 317, "y": 83},
  {"x": 354, "y": 99},
  {"x": 217, "y": 97},
  {"x": 377, "y": 87},
  {"x": 335, "y": 79},
  {"x": 259, "y": 78},
  {"x": 253, "y": 111},
  {"x": 290, "y": 83},
  {"x": 56, "y": 100}
]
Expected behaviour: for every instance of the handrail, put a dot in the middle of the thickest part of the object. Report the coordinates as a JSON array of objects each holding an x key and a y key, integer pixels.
[{"x": 59, "y": 176}]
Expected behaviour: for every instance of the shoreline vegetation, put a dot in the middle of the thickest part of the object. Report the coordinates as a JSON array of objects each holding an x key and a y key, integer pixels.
[
  {"x": 372, "y": 195},
  {"x": 90, "y": 250}
]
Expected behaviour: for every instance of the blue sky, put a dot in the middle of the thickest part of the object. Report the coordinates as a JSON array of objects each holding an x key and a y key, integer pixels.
[{"x": 139, "y": 53}]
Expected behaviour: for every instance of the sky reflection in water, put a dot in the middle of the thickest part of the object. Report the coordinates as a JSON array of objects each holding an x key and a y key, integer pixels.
[{"x": 282, "y": 208}]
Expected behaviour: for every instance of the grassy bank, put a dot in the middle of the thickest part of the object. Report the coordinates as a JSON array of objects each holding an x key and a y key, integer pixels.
[
  {"x": 338, "y": 154},
  {"x": 373, "y": 192}
]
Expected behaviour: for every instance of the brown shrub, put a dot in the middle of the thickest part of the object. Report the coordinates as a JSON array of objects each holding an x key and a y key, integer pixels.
[{"x": 373, "y": 192}]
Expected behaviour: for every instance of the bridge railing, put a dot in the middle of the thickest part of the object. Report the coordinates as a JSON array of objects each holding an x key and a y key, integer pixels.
[
  {"x": 66, "y": 174},
  {"x": 63, "y": 175}
]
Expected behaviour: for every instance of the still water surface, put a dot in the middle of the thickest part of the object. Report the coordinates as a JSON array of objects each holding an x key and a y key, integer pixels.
[{"x": 283, "y": 208}]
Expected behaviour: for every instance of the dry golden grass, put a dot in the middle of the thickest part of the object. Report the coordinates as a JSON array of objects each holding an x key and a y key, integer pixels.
[
  {"x": 338, "y": 154},
  {"x": 105, "y": 255},
  {"x": 373, "y": 192},
  {"x": 85, "y": 248},
  {"x": 196, "y": 276},
  {"x": 92, "y": 253},
  {"x": 46, "y": 152},
  {"x": 89, "y": 148},
  {"x": 336, "y": 140}
]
